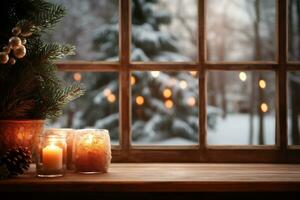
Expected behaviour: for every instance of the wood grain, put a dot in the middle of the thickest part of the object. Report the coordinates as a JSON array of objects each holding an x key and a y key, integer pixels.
[
  {"x": 211, "y": 155},
  {"x": 125, "y": 90},
  {"x": 202, "y": 77},
  {"x": 168, "y": 177}
]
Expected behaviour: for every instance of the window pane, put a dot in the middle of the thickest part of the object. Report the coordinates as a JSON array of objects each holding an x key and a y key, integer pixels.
[
  {"x": 164, "y": 30},
  {"x": 294, "y": 30},
  {"x": 241, "y": 108},
  {"x": 241, "y": 30},
  {"x": 92, "y": 26},
  {"x": 97, "y": 108},
  {"x": 294, "y": 108},
  {"x": 164, "y": 108}
]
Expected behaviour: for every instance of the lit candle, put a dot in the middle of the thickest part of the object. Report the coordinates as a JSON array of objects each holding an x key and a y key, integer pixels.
[
  {"x": 92, "y": 151},
  {"x": 52, "y": 157},
  {"x": 69, "y": 135}
]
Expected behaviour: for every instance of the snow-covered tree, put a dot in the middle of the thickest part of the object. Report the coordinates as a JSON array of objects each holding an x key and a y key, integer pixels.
[
  {"x": 158, "y": 117},
  {"x": 154, "y": 120}
]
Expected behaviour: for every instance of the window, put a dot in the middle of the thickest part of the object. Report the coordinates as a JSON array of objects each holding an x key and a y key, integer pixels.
[
  {"x": 241, "y": 100},
  {"x": 187, "y": 80},
  {"x": 227, "y": 21}
]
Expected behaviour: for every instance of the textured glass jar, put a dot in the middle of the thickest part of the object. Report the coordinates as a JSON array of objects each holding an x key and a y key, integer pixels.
[
  {"x": 51, "y": 155},
  {"x": 92, "y": 151},
  {"x": 15, "y": 133}
]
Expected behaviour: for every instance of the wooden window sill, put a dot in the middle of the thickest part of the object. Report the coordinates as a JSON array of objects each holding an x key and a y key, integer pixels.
[{"x": 167, "y": 178}]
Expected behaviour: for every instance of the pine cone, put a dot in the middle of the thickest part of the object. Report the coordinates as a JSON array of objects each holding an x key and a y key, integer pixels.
[{"x": 17, "y": 160}]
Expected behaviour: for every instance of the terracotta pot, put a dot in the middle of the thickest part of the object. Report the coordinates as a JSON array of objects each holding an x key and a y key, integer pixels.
[{"x": 19, "y": 133}]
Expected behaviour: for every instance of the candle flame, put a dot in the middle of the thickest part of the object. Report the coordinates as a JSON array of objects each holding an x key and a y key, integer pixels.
[{"x": 52, "y": 146}]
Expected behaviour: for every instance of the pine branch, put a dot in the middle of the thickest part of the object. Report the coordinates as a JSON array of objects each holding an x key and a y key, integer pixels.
[
  {"x": 41, "y": 5},
  {"x": 18, "y": 94},
  {"x": 31, "y": 88},
  {"x": 57, "y": 97},
  {"x": 71, "y": 92},
  {"x": 45, "y": 17},
  {"x": 56, "y": 51},
  {"x": 19, "y": 109},
  {"x": 42, "y": 52}
]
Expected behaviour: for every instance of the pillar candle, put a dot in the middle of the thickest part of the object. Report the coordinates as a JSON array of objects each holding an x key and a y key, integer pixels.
[
  {"x": 92, "y": 151},
  {"x": 52, "y": 157}
]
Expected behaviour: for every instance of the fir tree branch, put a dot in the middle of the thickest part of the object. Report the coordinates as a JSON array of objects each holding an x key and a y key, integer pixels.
[
  {"x": 56, "y": 51},
  {"x": 45, "y": 17},
  {"x": 55, "y": 98},
  {"x": 31, "y": 88},
  {"x": 42, "y": 52},
  {"x": 19, "y": 109},
  {"x": 18, "y": 98}
]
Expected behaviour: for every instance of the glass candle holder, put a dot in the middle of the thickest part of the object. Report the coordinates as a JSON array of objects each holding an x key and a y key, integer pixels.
[
  {"x": 51, "y": 155},
  {"x": 68, "y": 133},
  {"x": 92, "y": 151}
]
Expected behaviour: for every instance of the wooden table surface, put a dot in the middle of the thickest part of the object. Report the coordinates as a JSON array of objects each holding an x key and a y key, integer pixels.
[{"x": 167, "y": 177}]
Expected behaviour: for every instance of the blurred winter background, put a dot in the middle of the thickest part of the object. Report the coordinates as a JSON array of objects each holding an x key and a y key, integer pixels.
[{"x": 240, "y": 104}]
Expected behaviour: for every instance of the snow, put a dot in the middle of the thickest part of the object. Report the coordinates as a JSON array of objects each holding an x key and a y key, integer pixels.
[
  {"x": 171, "y": 141},
  {"x": 107, "y": 121},
  {"x": 234, "y": 130}
]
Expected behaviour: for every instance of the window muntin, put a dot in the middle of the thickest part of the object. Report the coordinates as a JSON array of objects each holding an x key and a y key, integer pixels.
[{"x": 201, "y": 153}]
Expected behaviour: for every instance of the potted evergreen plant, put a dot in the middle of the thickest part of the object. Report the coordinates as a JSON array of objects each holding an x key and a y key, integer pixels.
[{"x": 30, "y": 88}]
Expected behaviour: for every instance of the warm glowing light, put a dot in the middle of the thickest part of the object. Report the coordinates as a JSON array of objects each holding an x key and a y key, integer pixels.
[
  {"x": 193, "y": 73},
  {"x": 243, "y": 76},
  {"x": 167, "y": 93},
  {"x": 111, "y": 98},
  {"x": 191, "y": 101},
  {"x": 132, "y": 80},
  {"x": 169, "y": 104},
  {"x": 139, "y": 100},
  {"x": 155, "y": 74},
  {"x": 52, "y": 146},
  {"x": 89, "y": 139},
  {"x": 106, "y": 92},
  {"x": 264, "y": 107},
  {"x": 183, "y": 84},
  {"x": 262, "y": 84},
  {"x": 77, "y": 77},
  {"x": 52, "y": 141}
]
